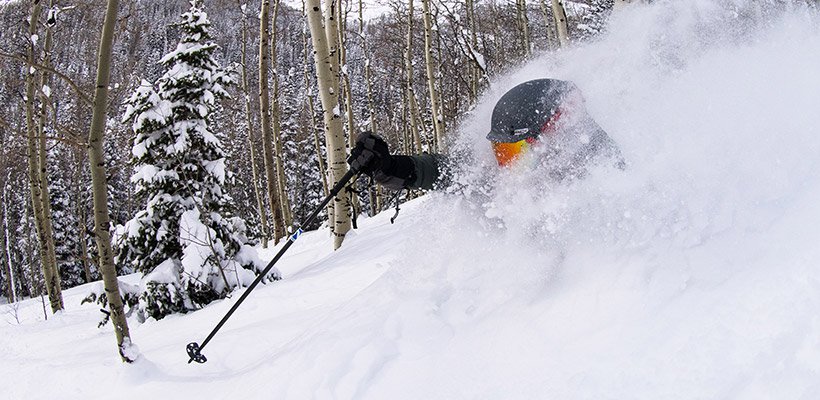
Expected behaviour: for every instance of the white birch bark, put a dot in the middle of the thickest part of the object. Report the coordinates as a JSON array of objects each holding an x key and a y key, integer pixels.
[
  {"x": 324, "y": 38},
  {"x": 367, "y": 70},
  {"x": 45, "y": 197},
  {"x": 413, "y": 118},
  {"x": 523, "y": 25},
  {"x": 345, "y": 78},
  {"x": 438, "y": 119},
  {"x": 268, "y": 143},
  {"x": 260, "y": 202},
  {"x": 560, "y": 16},
  {"x": 548, "y": 27},
  {"x": 312, "y": 109},
  {"x": 44, "y": 233},
  {"x": 284, "y": 204},
  {"x": 475, "y": 70},
  {"x": 347, "y": 90},
  {"x": 375, "y": 199}
]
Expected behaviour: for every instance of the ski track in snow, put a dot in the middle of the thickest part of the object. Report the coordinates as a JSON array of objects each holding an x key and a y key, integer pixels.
[{"x": 692, "y": 274}]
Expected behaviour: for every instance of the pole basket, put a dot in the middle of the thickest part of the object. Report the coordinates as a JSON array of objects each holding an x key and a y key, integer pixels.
[{"x": 193, "y": 352}]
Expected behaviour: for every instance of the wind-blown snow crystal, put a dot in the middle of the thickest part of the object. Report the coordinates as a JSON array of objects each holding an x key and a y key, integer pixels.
[{"x": 700, "y": 252}]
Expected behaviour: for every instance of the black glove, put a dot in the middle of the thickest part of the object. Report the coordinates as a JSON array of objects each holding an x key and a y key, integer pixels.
[
  {"x": 370, "y": 154},
  {"x": 400, "y": 174}
]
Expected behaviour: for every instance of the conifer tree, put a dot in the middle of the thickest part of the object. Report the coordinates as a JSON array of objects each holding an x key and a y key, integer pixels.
[
  {"x": 299, "y": 155},
  {"x": 66, "y": 239},
  {"x": 185, "y": 242}
]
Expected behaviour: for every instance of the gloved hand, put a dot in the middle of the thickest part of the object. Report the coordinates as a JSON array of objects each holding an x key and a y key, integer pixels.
[{"x": 370, "y": 154}]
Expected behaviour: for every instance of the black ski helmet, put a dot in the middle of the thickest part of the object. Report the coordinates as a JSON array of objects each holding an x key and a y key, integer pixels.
[{"x": 521, "y": 112}]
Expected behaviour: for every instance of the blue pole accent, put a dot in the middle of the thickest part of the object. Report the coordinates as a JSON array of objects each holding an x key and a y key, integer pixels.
[{"x": 296, "y": 235}]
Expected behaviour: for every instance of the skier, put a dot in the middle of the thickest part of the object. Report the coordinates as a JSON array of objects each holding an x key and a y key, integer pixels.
[{"x": 544, "y": 117}]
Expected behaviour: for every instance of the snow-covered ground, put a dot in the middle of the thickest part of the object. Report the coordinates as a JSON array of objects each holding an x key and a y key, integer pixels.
[{"x": 695, "y": 273}]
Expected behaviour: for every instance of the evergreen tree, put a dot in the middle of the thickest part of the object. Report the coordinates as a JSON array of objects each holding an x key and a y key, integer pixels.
[
  {"x": 299, "y": 156},
  {"x": 186, "y": 243},
  {"x": 66, "y": 223}
]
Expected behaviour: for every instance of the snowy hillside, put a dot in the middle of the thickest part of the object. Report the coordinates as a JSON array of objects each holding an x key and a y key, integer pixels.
[{"x": 694, "y": 273}]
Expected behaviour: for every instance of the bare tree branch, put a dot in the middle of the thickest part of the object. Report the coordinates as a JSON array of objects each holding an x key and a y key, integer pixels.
[{"x": 83, "y": 96}]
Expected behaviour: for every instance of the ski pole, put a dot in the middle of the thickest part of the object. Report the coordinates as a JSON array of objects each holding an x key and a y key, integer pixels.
[{"x": 194, "y": 349}]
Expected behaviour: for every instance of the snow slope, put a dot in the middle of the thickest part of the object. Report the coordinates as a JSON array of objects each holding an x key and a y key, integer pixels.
[{"x": 692, "y": 274}]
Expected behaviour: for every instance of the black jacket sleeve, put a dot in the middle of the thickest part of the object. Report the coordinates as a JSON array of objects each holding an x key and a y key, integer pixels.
[
  {"x": 427, "y": 169},
  {"x": 420, "y": 171}
]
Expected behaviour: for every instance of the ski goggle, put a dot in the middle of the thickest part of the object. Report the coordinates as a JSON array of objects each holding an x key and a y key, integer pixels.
[{"x": 506, "y": 153}]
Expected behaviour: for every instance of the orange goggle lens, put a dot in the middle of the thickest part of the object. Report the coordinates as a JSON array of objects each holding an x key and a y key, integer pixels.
[{"x": 506, "y": 153}]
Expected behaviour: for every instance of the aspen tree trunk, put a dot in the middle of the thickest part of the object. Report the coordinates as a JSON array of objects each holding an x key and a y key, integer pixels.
[
  {"x": 548, "y": 27},
  {"x": 5, "y": 265},
  {"x": 373, "y": 191},
  {"x": 333, "y": 39},
  {"x": 412, "y": 105},
  {"x": 496, "y": 34},
  {"x": 560, "y": 16},
  {"x": 475, "y": 75},
  {"x": 438, "y": 119},
  {"x": 331, "y": 207},
  {"x": 523, "y": 25},
  {"x": 344, "y": 77},
  {"x": 346, "y": 89},
  {"x": 100, "y": 184},
  {"x": 45, "y": 198},
  {"x": 328, "y": 79},
  {"x": 420, "y": 126},
  {"x": 44, "y": 234},
  {"x": 446, "y": 106},
  {"x": 406, "y": 137},
  {"x": 13, "y": 272},
  {"x": 260, "y": 202},
  {"x": 267, "y": 135},
  {"x": 287, "y": 217},
  {"x": 367, "y": 73},
  {"x": 312, "y": 110}
]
